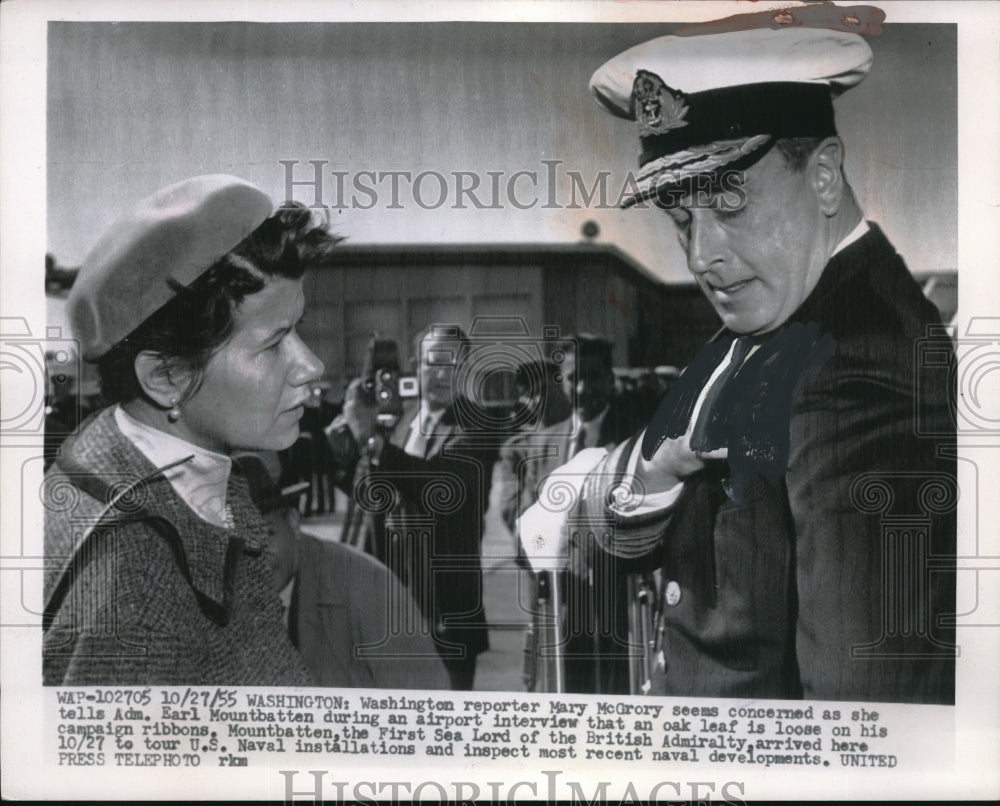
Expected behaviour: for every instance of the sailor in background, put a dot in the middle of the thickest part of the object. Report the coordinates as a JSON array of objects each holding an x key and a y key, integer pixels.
[{"x": 757, "y": 487}]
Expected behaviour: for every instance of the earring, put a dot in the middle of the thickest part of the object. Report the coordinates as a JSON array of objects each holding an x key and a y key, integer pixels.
[{"x": 175, "y": 411}]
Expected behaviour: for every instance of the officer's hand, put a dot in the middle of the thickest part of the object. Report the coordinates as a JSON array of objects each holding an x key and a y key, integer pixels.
[
  {"x": 543, "y": 528},
  {"x": 674, "y": 461},
  {"x": 359, "y": 411}
]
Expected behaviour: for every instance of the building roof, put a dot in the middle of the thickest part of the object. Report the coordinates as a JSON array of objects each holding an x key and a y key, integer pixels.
[{"x": 362, "y": 254}]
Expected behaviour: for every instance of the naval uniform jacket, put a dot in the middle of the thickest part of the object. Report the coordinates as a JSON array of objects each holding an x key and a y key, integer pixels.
[
  {"x": 802, "y": 566},
  {"x": 528, "y": 458},
  {"x": 130, "y": 614}
]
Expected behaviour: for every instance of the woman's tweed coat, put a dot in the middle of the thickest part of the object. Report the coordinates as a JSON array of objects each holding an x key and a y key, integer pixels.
[{"x": 130, "y": 616}]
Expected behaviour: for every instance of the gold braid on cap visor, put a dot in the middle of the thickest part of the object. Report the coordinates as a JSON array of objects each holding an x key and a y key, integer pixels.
[{"x": 690, "y": 162}]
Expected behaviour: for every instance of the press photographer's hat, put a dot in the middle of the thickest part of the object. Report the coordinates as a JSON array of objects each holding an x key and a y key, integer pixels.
[
  {"x": 715, "y": 100},
  {"x": 166, "y": 240}
]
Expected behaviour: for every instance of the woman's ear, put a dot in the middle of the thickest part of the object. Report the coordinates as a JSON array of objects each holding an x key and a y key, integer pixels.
[
  {"x": 162, "y": 380},
  {"x": 826, "y": 166}
]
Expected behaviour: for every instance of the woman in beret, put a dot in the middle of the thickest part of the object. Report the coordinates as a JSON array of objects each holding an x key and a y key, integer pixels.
[{"x": 189, "y": 306}]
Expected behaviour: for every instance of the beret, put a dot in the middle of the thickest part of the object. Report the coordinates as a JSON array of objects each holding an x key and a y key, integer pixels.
[
  {"x": 171, "y": 237},
  {"x": 707, "y": 101}
]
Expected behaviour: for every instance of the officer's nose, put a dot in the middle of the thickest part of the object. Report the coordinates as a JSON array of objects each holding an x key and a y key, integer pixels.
[{"x": 705, "y": 242}]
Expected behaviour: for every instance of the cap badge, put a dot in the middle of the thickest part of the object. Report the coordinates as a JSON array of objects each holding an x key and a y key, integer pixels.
[{"x": 657, "y": 107}]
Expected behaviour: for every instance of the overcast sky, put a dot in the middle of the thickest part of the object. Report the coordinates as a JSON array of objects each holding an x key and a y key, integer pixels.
[{"x": 136, "y": 106}]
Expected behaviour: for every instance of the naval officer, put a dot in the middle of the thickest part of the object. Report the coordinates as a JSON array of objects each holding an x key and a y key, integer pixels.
[{"x": 767, "y": 484}]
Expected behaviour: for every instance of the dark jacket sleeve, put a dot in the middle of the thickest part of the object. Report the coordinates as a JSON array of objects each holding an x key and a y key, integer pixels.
[
  {"x": 357, "y": 626},
  {"x": 465, "y": 462},
  {"x": 341, "y": 453},
  {"x": 870, "y": 503},
  {"x": 465, "y": 468}
]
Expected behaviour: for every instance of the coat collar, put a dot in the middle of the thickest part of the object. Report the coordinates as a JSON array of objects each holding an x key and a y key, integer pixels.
[
  {"x": 849, "y": 261},
  {"x": 446, "y": 426},
  {"x": 103, "y": 450},
  {"x": 201, "y": 479},
  {"x": 845, "y": 267}
]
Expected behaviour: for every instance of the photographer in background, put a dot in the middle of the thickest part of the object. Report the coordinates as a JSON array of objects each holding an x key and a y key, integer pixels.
[{"x": 424, "y": 486}]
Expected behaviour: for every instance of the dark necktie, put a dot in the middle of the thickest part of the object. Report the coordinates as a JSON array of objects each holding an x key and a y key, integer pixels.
[{"x": 709, "y": 432}]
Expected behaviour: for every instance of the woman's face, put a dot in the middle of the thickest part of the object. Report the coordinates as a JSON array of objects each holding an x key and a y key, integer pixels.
[{"x": 255, "y": 387}]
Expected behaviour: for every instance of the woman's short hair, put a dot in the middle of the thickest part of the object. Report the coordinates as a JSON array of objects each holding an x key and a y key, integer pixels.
[{"x": 196, "y": 322}]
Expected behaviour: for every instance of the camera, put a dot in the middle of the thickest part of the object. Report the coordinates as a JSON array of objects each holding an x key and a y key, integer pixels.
[
  {"x": 383, "y": 384},
  {"x": 963, "y": 367},
  {"x": 37, "y": 374},
  {"x": 499, "y": 356}
]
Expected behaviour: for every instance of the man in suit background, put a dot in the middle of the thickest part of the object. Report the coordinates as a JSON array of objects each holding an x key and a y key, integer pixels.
[
  {"x": 768, "y": 485},
  {"x": 426, "y": 487},
  {"x": 593, "y": 655},
  {"x": 593, "y": 415},
  {"x": 542, "y": 403}
]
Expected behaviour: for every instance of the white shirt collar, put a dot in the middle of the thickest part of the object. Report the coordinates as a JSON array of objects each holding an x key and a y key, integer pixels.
[
  {"x": 859, "y": 231},
  {"x": 427, "y": 417},
  {"x": 592, "y": 426},
  {"x": 201, "y": 483},
  {"x": 422, "y": 427}
]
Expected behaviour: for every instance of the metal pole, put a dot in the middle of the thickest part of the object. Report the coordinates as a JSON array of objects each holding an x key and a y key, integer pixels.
[
  {"x": 634, "y": 667},
  {"x": 559, "y": 683}
]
